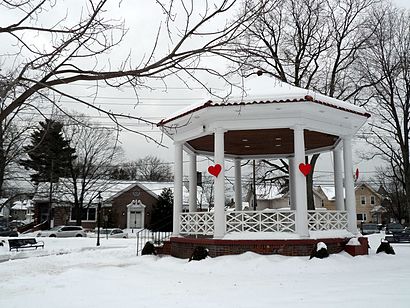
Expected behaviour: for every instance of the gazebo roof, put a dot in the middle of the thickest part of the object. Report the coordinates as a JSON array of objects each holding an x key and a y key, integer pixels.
[{"x": 261, "y": 125}]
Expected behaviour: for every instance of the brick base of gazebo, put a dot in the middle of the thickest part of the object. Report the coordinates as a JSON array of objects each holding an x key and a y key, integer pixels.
[{"x": 182, "y": 247}]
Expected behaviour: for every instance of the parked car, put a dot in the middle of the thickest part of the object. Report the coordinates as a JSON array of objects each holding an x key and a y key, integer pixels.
[
  {"x": 394, "y": 228},
  {"x": 370, "y": 229},
  {"x": 63, "y": 231},
  {"x": 112, "y": 232},
  {"x": 399, "y": 237},
  {"x": 5, "y": 231}
]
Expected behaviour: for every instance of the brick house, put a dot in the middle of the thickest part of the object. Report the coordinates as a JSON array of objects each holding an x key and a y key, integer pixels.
[{"x": 125, "y": 204}]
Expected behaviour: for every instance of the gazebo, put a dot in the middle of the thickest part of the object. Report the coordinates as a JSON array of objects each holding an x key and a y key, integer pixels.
[{"x": 290, "y": 126}]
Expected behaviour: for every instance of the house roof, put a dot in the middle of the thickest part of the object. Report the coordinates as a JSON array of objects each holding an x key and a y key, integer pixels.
[
  {"x": 370, "y": 188},
  {"x": 268, "y": 192},
  {"x": 22, "y": 205},
  {"x": 329, "y": 191},
  {"x": 109, "y": 191},
  {"x": 63, "y": 190}
]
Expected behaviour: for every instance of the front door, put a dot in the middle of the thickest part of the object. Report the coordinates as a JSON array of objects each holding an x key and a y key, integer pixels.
[{"x": 136, "y": 220}]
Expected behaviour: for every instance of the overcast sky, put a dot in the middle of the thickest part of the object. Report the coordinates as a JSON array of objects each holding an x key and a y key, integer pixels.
[{"x": 143, "y": 18}]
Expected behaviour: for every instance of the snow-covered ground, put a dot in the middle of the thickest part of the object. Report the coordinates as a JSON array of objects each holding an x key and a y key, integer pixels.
[{"x": 74, "y": 273}]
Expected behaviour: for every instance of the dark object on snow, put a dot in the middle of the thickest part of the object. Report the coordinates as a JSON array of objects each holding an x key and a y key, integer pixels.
[
  {"x": 319, "y": 251},
  {"x": 25, "y": 243},
  {"x": 385, "y": 247},
  {"x": 149, "y": 249},
  {"x": 199, "y": 253},
  {"x": 2, "y": 242},
  {"x": 5, "y": 231},
  {"x": 398, "y": 237}
]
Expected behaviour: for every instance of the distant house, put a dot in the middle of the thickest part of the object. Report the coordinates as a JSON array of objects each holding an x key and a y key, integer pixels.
[
  {"x": 23, "y": 211},
  {"x": 270, "y": 197},
  {"x": 125, "y": 204},
  {"x": 369, "y": 206}
]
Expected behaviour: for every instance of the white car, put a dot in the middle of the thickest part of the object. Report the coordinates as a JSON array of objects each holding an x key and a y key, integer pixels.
[
  {"x": 63, "y": 231},
  {"x": 113, "y": 233}
]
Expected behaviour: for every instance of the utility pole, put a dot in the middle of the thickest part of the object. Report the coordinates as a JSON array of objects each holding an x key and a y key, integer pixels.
[{"x": 50, "y": 193}]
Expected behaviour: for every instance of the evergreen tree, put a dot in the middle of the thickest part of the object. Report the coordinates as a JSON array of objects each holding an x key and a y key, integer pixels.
[
  {"x": 50, "y": 155},
  {"x": 162, "y": 215}
]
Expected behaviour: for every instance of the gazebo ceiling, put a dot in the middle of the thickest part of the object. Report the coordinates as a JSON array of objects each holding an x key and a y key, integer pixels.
[{"x": 263, "y": 142}]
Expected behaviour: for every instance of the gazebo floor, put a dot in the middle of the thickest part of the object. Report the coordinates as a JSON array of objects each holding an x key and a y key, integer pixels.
[{"x": 182, "y": 247}]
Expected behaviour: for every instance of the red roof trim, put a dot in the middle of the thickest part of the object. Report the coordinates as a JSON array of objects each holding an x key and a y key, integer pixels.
[{"x": 296, "y": 100}]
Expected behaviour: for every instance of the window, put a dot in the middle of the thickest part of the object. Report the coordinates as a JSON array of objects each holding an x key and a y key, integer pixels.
[
  {"x": 372, "y": 200},
  {"x": 361, "y": 217},
  {"x": 86, "y": 214},
  {"x": 362, "y": 200},
  {"x": 92, "y": 213},
  {"x": 323, "y": 203}
]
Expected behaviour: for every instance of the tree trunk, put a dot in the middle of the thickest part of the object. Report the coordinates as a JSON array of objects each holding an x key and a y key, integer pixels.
[{"x": 309, "y": 182}]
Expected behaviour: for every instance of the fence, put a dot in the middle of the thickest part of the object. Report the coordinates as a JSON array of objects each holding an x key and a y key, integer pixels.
[
  {"x": 145, "y": 235},
  {"x": 260, "y": 221}
]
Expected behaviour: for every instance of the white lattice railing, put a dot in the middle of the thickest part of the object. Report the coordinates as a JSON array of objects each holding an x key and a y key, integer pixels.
[
  {"x": 327, "y": 220},
  {"x": 197, "y": 223},
  {"x": 265, "y": 221}
]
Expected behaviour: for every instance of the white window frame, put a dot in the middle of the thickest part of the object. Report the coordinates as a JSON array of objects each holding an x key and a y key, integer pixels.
[
  {"x": 364, "y": 216},
  {"x": 363, "y": 198},
  {"x": 372, "y": 200}
]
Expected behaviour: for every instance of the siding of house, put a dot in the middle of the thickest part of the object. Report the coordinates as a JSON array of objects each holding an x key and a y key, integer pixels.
[
  {"x": 363, "y": 210},
  {"x": 366, "y": 193}
]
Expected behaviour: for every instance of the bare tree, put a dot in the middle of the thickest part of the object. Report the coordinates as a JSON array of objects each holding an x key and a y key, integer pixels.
[
  {"x": 386, "y": 64},
  {"x": 75, "y": 47},
  {"x": 14, "y": 132},
  {"x": 149, "y": 168},
  {"x": 395, "y": 193},
  {"x": 96, "y": 153},
  {"x": 312, "y": 44}
]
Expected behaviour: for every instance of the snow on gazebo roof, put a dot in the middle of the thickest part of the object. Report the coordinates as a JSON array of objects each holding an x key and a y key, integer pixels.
[
  {"x": 262, "y": 90},
  {"x": 259, "y": 121}
]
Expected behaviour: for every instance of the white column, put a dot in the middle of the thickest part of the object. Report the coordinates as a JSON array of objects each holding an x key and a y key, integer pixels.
[
  {"x": 292, "y": 189},
  {"x": 177, "y": 187},
  {"x": 219, "y": 211},
  {"x": 192, "y": 184},
  {"x": 238, "y": 185},
  {"x": 338, "y": 176},
  {"x": 300, "y": 197},
  {"x": 349, "y": 185}
]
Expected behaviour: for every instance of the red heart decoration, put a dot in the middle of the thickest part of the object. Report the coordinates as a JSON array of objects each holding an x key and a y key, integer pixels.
[
  {"x": 305, "y": 168},
  {"x": 215, "y": 170}
]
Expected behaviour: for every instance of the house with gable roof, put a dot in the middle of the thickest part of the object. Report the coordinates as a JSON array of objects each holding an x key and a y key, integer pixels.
[
  {"x": 369, "y": 208},
  {"x": 369, "y": 202},
  {"x": 271, "y": 197},
  {"x": 125, "y": 204}
]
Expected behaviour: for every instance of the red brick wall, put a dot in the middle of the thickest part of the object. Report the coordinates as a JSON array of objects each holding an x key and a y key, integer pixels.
[
  {"x": 183, "y": 247},
  {"x": 363, "y": 249},
  {"x": 119, "y": 206}
]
